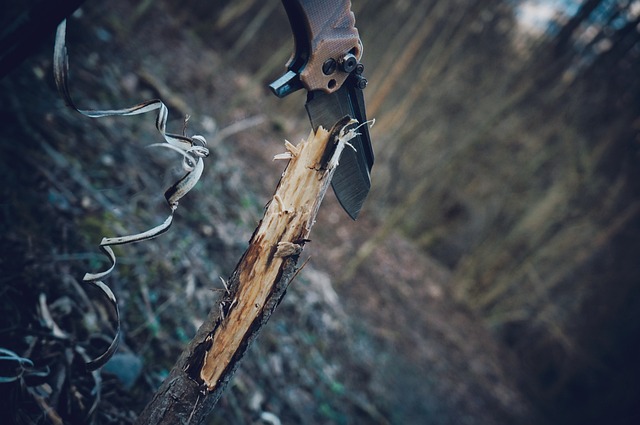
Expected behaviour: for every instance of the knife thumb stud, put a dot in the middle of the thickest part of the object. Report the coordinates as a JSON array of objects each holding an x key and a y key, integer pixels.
[{"x": 348, "y": 63}]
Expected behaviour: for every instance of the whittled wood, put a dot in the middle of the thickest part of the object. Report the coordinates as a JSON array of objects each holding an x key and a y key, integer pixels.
[{"x": 255, "y": 288}]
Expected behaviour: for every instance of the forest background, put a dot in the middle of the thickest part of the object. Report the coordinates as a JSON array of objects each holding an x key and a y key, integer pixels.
[{"x": 492, "y": 278}]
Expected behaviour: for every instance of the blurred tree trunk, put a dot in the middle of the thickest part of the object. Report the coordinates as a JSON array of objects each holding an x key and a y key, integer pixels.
[
  {"x": 566, "y": 32},
  {"x": 622, "y": 41}
]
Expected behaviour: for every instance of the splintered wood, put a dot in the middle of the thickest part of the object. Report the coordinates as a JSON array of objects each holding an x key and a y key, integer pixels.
[
  {"x": 256, "y": 285},
  {"x": 201, "y": 374}
]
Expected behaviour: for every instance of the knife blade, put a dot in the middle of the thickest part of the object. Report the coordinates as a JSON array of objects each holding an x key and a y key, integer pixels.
[{"x": 351, "y": 181}]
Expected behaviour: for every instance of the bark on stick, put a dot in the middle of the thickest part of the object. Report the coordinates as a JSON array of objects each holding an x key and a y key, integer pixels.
[{"x": 255, "y": 288}]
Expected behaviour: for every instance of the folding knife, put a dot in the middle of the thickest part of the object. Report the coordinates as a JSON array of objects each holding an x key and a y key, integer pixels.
[{"x": 326, "y": 62}]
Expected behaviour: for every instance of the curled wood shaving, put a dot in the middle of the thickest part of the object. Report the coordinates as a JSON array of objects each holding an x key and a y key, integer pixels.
[
  {"x": 21, "y": 366},
  {"x": 96, "y": 391},
  {"x": 193, "y": 150}
]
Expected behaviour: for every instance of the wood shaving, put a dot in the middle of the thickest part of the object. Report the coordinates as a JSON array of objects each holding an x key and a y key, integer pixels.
[{"x": 193, "y": 150}]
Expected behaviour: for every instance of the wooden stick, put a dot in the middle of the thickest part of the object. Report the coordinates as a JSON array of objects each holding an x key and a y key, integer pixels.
[{"x": 256, "y": 286}]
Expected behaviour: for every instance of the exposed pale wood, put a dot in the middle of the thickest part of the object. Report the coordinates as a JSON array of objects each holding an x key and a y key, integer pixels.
[{"x": 255, "y": 288}]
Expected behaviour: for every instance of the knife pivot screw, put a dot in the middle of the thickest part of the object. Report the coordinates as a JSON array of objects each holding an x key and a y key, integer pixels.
[
  {"x": 329, "y": 66},
  {"x": 359, "y": 69},
  {"x": 348, "y": 63}
]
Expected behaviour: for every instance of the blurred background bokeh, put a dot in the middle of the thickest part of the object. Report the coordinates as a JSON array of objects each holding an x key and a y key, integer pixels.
[{"x": 494, "y": 276}]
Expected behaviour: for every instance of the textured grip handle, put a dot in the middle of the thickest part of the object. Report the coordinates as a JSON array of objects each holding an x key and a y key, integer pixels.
[{"x": 326, "y": 42}]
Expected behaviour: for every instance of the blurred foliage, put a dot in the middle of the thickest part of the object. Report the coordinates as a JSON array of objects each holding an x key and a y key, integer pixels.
[{"x": 507, "y": 153}]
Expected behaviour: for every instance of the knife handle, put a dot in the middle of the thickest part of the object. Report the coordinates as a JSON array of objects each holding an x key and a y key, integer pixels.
[{"x": 327, "y": 46}]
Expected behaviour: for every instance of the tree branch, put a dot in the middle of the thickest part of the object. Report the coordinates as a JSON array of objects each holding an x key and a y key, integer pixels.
[{"x": 256, "y": 286}]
